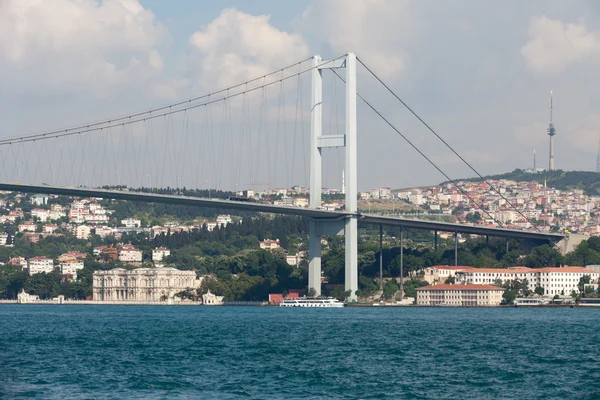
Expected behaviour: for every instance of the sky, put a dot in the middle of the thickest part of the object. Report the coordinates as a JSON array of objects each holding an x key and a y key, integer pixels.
[{"x": 478, "y": 71}]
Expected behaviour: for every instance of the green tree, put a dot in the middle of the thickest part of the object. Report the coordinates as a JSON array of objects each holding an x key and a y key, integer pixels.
[
  {"x": 584, "y": 280},
  {"x": 509, "y": 296},
  {"x": 539, "y": 290}
]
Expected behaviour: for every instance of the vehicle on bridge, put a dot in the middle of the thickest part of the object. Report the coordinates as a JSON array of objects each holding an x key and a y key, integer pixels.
[{"x": 238, "y": 198}]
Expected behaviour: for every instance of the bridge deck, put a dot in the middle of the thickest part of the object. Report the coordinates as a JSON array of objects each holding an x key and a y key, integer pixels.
[{"x": 258, "y": 207}]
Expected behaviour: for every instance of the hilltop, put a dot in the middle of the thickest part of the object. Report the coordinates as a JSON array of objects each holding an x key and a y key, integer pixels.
[{"x": 587, "y": 181}]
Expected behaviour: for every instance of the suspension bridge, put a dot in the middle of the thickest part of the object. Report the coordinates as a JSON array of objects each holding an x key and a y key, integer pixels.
[{"x": 282, "y": 127}]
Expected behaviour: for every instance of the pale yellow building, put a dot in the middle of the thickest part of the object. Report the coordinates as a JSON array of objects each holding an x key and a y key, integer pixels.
[{"x": 459, "y": 295}]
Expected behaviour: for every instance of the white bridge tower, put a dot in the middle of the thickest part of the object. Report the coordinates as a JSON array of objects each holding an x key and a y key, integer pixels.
[{"x": 348, "y": 226}]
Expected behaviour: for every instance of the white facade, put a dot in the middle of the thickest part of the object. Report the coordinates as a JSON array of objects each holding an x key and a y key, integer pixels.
[
  {"x": 553, "y": 280},
  {"x": 460, "y": 295},
  {"x": 160, "y": 253},
  {"x": 223, "y": 219},
  {"x": 70, "y": 267},
  {"x": 129, "y": 253},
  {"x": 150, "y": 284},
  {"x": 210, "y": 299},
  {"x": 131, "y": 223},
  {"x": 37, "y": 265},
  {"x": 27, "y": 227},
  {"x": 39, "y": 199},
  {"x": 83, "y": 232}
]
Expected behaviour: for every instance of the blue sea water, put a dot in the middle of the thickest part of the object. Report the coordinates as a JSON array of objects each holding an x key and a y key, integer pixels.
[{"x": 128, "y": 352}]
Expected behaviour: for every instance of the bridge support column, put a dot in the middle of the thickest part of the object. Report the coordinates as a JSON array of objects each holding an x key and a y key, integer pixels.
[
  {"x": 351, "y": 179},
  {"x": 435, "y": 239},
  {"x": 401, "y": 262},
  {"x": 314, "y": 262},
  {"x": 380, "y": 257},
  {"x": 319, "y": 141},
  {"x": 455, "y": 249}
]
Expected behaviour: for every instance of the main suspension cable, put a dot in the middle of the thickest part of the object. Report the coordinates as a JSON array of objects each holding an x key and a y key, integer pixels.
[
  {"x": 132, "y": 119},
  {"x": 419, "y": 151},
  {"x": 446, "y": 143}
]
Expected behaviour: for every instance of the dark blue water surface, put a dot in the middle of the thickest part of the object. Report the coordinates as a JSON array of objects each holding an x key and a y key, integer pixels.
[{"x": 92, "y": 352}]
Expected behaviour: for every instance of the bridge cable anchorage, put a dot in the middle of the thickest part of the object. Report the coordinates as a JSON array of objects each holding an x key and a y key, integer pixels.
[
  {"x": 446, "y": 144},
  {"x": 132, "y": 119},
  {"x": 420, "y": 152}
]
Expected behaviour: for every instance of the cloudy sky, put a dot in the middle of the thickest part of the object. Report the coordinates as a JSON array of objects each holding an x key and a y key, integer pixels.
[{"x": 477, "y": 71}]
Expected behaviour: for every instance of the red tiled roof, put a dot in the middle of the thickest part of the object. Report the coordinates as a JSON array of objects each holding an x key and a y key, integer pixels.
[
  {"x": 447, "y": 286},
  {"x": 565, "y": 269}
]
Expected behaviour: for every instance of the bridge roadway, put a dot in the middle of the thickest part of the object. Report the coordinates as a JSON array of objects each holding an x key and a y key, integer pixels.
[{"x": 259, "y": 207}]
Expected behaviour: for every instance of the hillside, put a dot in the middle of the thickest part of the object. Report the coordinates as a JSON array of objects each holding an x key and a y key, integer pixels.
[{"x": 563, "y": 180}]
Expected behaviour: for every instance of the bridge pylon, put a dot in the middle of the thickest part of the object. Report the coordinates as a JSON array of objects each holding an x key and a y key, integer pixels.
[{"x": 349, "y": 225}]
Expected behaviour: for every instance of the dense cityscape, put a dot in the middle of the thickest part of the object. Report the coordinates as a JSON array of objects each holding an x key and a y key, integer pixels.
[{"x": 96, "y": 250}]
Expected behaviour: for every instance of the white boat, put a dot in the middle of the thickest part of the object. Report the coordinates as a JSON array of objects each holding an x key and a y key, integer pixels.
[{"x": 318, "y": 302}]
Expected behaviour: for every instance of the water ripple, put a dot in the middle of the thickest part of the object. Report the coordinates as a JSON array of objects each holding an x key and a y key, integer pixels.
[{"x": 83, "y": 352}]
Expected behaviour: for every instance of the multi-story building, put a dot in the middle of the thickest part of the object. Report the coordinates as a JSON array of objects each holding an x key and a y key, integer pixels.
[
  {"x": 40, "y": 214},
  {"x": 559, "y": 280},
  {"x": 70, "y": 267},
  {"x": 223, "y": 219},
  {"x": 20, "y": 261},
  {"x": 27, "y": 227},
  {"x": 40, "y": 264},
  {"x": 160, "y": 253},
  {"x": 269, "y": 244},
  {"x": 83, "y": 232},
  {"x": 106, "y": 253},
  {"x": 149, "y": 284},
  {"x": 439, "y": 273},
  {"x": 49, "y": 228},
  {"x": 71, "y": 255},
  {"x": 459, "y": 295},
  {"x": 39, "y": 199},
  {"x": 131, "y": 223},
  {"x": 129, "y": 254}
]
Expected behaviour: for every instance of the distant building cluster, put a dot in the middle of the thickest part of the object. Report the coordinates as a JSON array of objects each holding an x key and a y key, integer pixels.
[{"x": 554, "y": 281}]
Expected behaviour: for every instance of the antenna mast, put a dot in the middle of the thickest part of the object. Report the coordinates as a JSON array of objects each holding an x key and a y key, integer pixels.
[{"x": 598, "y": 158}]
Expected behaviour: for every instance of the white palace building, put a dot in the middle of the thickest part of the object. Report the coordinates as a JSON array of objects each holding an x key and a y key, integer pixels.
[{"x": 142, "y": 284}]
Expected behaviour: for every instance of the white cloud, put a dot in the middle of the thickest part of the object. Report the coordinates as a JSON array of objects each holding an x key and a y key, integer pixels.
[
  {"x": 553, "y": 44},
  {"x": 78, "y": 44},
  {"x": 584, "y": 134},
  {"x": 530, "y": 135},
  {"x": 373, "y": 29},
  {"x": 237, "y": 46}
]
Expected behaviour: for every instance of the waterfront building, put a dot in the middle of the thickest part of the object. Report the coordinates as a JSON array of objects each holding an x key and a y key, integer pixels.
[
  {"x": 142, "y": 284},
  {"x": 40, "y": 264},
  {"x": 23, "y": 297},
  {"x": 209, "y": 299},
  {"x": 555, "y": 280},
  {"x": 459, "y": 295},
  {"x": 439, "y": 273}
]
